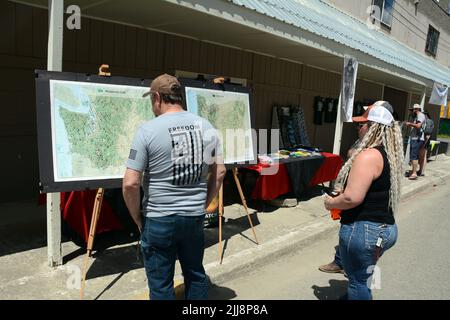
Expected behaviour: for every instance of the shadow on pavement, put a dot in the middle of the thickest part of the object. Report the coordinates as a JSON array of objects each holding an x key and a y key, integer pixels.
[
  {"x": 220, "y": 293},
  {"x": 337, "y": 289},
  {"x": 231, "y": 228},
  {"x": 109, "y": 285},
  {"x": 22, "y": 237},
  {"x": 110, "y": 261},
  {"x": 115, "y": 261}
]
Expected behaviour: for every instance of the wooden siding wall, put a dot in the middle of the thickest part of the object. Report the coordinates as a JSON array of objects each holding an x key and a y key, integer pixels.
[
  {"x": 317, "y": 82},
  {"x": 398, "y": 99},
  {"x": 134, "y": 52}
]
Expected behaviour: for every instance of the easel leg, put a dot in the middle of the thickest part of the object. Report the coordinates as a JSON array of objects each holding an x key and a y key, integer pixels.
[
  {"x": 244, "y": 203},
  {"x": 93, "y": 228},
  {"x": 220, "y": 223}
]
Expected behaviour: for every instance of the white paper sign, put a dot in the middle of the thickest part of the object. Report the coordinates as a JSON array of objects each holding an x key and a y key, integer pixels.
[
  {"x": 439, "y": 94},
  {"x": 348, "y": 88}
]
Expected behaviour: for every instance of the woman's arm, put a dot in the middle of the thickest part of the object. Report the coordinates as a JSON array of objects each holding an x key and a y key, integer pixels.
[{"x": 365, "y": 168}]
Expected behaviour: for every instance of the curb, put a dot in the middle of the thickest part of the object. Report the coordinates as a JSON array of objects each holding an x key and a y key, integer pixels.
[
  {"x": 424, "y": 185},
  {"x": 245, "y": 261}
]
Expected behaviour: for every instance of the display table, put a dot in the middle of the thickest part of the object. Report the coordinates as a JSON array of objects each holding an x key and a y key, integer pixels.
[
  {"x": 301, "y": 173},
  {"x": 76, "y": 206}
]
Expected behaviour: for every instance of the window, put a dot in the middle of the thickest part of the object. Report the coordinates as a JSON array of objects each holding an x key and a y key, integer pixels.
[
  {"x": 384, "y": 13},
  {"x": 432, "y": 41}
]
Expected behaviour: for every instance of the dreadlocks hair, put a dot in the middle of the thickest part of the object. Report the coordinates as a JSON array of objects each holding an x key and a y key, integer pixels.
[{"x": 391, "y": 139}]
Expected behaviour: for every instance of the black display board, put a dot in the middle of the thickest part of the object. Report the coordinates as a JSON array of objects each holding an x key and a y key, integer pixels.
[
  {"x": 44, "y": 128},
  {"x": 229, "y": 87}
]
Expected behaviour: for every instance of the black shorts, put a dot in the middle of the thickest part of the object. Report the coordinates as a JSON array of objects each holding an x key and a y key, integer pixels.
[{"x": 414, "y": 149}]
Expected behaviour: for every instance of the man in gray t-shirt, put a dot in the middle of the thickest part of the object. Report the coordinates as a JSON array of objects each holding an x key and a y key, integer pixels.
[
  {"x": 416, "y": 138},
  {"x": 174, "y": 153},
  {"x": 171, "y": 151}
]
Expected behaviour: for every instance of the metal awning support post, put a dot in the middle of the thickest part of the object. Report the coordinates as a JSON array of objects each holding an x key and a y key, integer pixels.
[
  {"x": 54, "y": 63},
  {"x": 338, "y": 129},
  {"x": 422, "y": 99}
]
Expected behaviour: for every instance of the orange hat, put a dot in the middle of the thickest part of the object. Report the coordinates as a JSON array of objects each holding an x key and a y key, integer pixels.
[{"x": 363, "y": 117}]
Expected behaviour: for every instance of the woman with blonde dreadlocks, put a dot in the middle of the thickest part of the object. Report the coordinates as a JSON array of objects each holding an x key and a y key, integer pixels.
[{"x": 371, "y": 191}]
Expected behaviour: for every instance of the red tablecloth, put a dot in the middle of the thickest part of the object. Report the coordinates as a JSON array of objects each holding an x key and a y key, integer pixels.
[
  {"x": 269, "y": 187},
  {"x": 329, "y": 169},
  {"x": 76, "y": 210}
]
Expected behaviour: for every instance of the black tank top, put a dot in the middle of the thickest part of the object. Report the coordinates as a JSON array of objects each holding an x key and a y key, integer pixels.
[{"x": 375, "y": 206}]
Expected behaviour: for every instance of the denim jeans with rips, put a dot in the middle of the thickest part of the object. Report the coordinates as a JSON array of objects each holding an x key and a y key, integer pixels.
[
  {"x": 359, "y": 254},
  {"x": 164, "y": 239}
]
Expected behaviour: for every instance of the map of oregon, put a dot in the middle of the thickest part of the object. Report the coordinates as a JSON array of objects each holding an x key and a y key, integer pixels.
[
  {"x": 229, "y": 113},
  {"x": 93, "y": 125}
]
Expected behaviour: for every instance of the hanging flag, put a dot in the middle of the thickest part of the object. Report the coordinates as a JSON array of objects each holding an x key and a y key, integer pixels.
[
  {"x": 348, "y": 88},
  {"x": 439, "y": 94}
]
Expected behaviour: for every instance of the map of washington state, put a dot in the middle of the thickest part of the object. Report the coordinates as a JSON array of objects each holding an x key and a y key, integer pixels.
[
  {"x": 93, "y": 126},
  {"x": 226, "y": 111}
]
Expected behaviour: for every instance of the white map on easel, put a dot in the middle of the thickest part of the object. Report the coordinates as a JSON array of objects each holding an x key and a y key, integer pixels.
[
  {"x": 93, "y": 125},
  {"x": 229, "y": 113}
]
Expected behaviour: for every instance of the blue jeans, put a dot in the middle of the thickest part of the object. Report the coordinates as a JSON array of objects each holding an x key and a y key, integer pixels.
[
  {"x": 162, "y": 240},
  {"x": 359, "y": 254},
  {"x": 337, "y": 258}
]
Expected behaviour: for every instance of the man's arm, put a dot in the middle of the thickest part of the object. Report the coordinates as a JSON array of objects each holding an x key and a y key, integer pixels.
[
  {"x": 217, "y": 174},
  {"x": 417, "y": 125},
  {"x": 131, "y": 194}
]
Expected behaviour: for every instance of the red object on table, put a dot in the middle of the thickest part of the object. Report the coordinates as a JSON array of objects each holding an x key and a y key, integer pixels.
[
  {"x": 269, "y": 187},
  {"x": 76, "y": 209}
]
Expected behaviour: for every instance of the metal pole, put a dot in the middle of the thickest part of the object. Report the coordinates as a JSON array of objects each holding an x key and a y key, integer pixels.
[
  {"x": 407, "y": 131},
  {"x": 422, "y": 100},
  {"x": 54, "y": 63}
]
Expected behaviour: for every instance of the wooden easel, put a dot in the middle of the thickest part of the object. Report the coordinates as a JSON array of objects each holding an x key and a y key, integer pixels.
[
  {"x": 102, "y": 71},
  {"x": 244, "y": 203},
  {"x": 234, "y": 171}
]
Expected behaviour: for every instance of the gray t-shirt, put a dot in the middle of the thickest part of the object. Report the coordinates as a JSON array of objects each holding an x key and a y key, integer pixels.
[
  {"x": 417, "y": 134},
  {"x": 174, "y": 151}
]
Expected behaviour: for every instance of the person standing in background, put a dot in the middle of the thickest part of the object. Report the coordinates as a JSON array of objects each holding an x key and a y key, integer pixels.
[{"x": 417, "y": 138}]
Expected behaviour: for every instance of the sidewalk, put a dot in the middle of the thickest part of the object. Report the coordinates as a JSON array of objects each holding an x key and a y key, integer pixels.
[{"x": 116, "y": 273}]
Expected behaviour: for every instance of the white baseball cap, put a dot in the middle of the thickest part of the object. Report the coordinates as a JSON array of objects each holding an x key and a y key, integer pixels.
[
  {"x": 376, "y": 114},
  {"x": 416, "y": 106},
  {"x": 381, "y": 103},
  {"x": 381, "y": 115}
]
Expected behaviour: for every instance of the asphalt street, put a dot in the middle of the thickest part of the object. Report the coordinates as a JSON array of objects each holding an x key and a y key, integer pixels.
[{"x": 417, "y": 267}]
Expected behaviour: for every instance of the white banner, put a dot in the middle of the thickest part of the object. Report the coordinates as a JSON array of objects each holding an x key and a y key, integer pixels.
[
  {"x": 439, "y": 94},
  {"x": 348, "y": 88}
]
